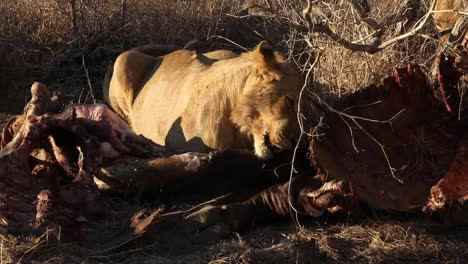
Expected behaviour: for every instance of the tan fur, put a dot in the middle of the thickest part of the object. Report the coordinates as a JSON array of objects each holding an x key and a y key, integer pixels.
[
  {"x": 445, "y": 20},
  {"x": 155, "y": 50},
  {"x": 221, "y": 54},
  {"x": 220, "y": 100}
]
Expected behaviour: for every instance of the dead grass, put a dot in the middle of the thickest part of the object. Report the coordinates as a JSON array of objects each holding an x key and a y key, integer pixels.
[{"x": 362, "y": 241}]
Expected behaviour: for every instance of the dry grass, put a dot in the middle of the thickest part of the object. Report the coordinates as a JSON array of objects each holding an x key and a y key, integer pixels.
[
  {"x": 357, "y": 69},
  {"x": 38, "y": 40}
]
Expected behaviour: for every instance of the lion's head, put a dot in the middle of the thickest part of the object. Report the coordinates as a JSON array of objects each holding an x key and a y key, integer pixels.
[{"x": 266, "y": 110}]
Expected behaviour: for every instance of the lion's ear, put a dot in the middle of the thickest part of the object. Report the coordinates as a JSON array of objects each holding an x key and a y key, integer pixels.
[{"x": 264, "y": 55}]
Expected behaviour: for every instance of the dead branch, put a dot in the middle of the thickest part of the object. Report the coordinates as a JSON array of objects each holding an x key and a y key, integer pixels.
[
  {"x": 73, "y": 14},
  {"x": 377, "y": 44}
]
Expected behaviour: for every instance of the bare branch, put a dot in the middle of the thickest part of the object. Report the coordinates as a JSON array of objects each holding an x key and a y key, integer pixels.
[{"x": 293, "y": 210}]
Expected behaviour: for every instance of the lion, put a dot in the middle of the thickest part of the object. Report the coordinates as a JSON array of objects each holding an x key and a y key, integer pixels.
[{"x": 193, "y": 102}]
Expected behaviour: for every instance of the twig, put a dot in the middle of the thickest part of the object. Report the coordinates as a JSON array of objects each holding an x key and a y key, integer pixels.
[
  {"x": 330, "y": 108},
  {"x": 219, "y": 17},
  {"x": 194, "y": 208},
  {"x": 214, "y": 200},
  {"x": 123, "y": 12},
  {"x": 109, "y": 249},
  {"x": 450, "y": 11},
  {"x": 275, "y": 171},
  {"x": 360, "y": 106},
  {"x": 73, "y": 14},
  {"x": 355, "y": 118}
]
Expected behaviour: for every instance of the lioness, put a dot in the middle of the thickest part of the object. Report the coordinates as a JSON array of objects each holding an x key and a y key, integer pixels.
[{"x": 193, "y": 102}]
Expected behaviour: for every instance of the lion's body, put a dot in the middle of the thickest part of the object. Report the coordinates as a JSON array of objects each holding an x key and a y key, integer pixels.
[
  {"x": 191, "y": 102},
  {"x": 221, "y": 54}
]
